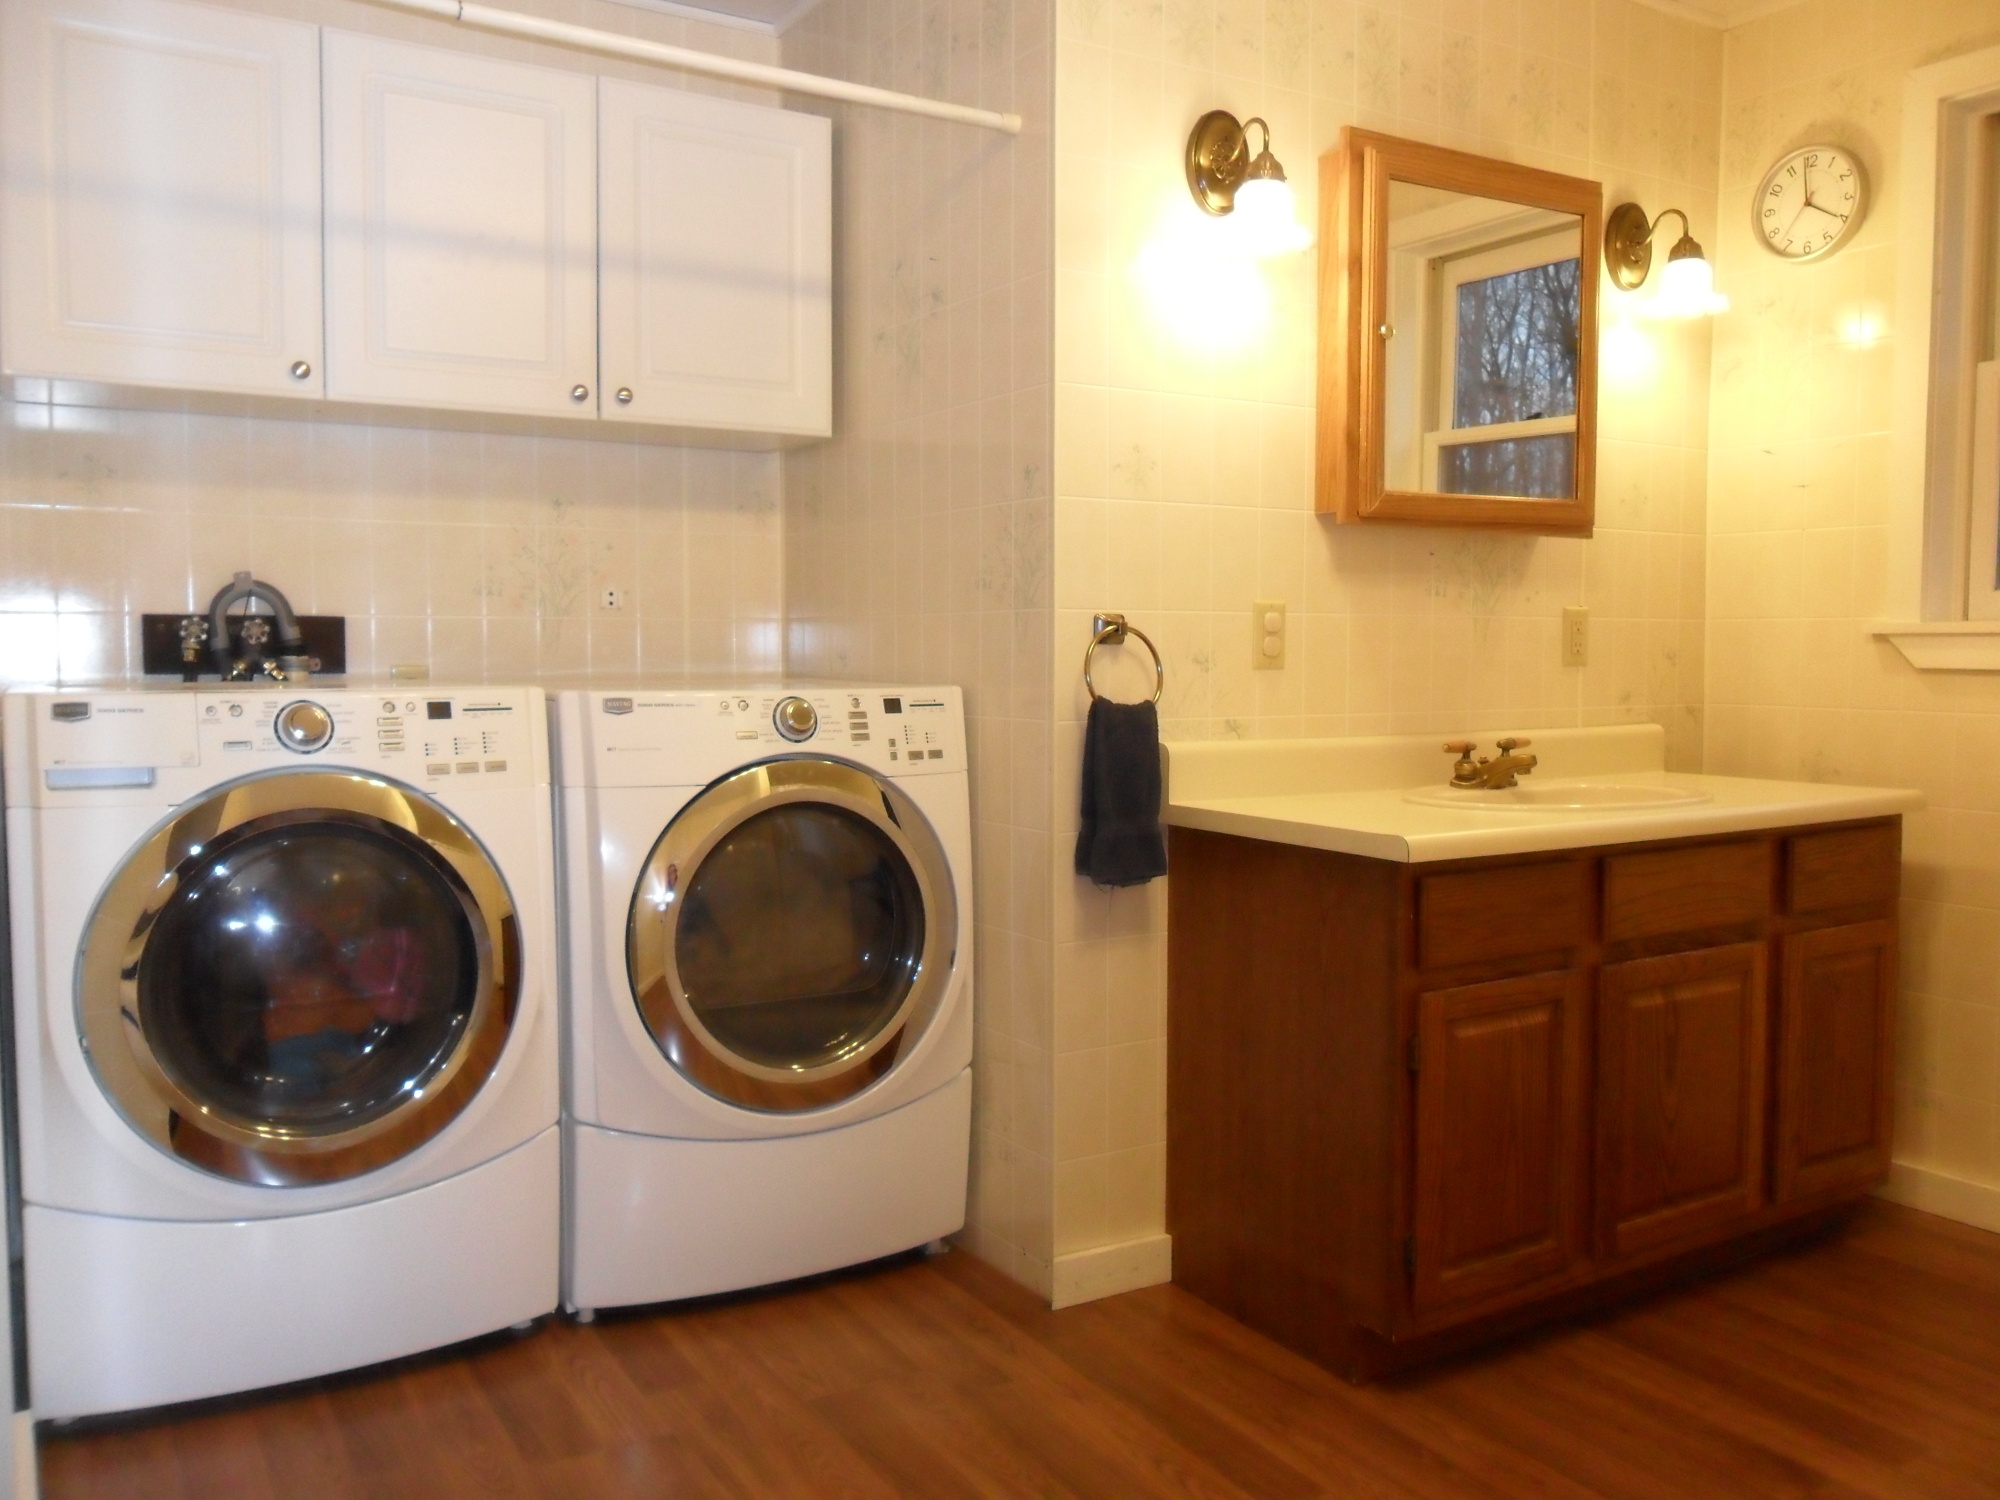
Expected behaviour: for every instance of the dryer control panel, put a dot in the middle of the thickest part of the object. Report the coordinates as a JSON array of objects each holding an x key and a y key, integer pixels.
[{"x": 690, "y": 737}]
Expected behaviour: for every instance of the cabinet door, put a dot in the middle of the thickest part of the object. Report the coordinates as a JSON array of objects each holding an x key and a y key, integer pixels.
[
  {"x": 1499, "y": 1137},
  {"x": 461, "y": 230},
  {"x": 1836, "y": 1053},
  {"x": 716, "y": 252},
  {"x": 1681, "y": 1063},
  {"x": 161, "y": 208}
]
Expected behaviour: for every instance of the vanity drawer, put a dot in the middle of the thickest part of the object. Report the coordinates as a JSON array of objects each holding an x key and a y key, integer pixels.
[
  {"x": 1843, "y": 867},
  {"x": 1686, "y": 890},
  {"x": 1507, "y": 912}
]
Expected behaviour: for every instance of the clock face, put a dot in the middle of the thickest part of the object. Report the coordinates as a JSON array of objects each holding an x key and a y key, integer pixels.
[{"x": 1809, "y": 203}]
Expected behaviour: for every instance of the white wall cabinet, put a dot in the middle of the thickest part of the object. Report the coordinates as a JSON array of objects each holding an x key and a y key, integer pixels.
[
  {"x": 715, "y": 262},
  {"x": 160, "y": 217},
  {"x": 461, "y": 207},
  {"x": 215, "y": 201}
]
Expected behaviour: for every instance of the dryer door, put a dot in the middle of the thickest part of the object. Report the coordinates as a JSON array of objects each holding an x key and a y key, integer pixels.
[
  {"x": 299, "y": 977},
  {"x": 793, "y": 932}
]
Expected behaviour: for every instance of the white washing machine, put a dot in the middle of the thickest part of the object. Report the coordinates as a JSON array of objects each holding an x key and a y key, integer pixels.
[
  {"x": 768, "y": 971},
  {"x": 286, "y": 1026}
]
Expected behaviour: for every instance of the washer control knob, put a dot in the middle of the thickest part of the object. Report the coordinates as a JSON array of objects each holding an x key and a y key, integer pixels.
[
  {"x": 304, "y": 727},
  {"x": 795, "y": 719}
]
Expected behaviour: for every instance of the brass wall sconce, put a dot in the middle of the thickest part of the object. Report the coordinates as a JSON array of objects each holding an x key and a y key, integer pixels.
[
  {"x": 1226, "y": 179},
  {"x": 1687, "y": 284}
]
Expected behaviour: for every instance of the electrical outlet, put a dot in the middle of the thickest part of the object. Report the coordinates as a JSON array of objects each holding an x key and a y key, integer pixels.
[
  {"x": 611, "y": 599},
  {"x": 1576, "y": 635},
  {"x": 1267, "y": 635}
]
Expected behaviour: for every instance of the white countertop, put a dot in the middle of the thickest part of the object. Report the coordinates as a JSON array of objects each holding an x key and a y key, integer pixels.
[{"x": 1347, "y": 795}]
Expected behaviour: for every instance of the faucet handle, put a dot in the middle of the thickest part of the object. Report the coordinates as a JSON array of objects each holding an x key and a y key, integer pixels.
[
  {"x": 1509, "y": 746},
  {"x": 1459, "y": 747}
]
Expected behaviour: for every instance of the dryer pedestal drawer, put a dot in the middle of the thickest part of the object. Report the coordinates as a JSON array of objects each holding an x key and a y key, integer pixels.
[{"x": 678, "y": 1218}]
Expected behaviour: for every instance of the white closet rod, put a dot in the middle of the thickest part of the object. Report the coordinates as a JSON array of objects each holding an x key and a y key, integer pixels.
[{"x": 513, "y": 23}]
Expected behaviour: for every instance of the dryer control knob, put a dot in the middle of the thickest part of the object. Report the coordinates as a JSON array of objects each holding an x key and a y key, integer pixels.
[
  {"x": 795, "y": 719},
  {"x": 304, "y": 727}
]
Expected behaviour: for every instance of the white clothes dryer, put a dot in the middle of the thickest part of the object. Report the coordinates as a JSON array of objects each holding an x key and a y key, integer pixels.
[
  {"x": 767, "y": 902},
  {"x": 286, "y": 1026}
]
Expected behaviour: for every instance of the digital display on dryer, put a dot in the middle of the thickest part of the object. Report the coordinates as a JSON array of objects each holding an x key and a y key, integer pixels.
[
  {"x": 437, "y": 710},
  {"x": 892, "y": 705}
]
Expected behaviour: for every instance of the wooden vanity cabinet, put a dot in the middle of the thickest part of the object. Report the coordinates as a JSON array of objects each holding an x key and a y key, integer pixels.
[{"x": 1410, "y": 1106}]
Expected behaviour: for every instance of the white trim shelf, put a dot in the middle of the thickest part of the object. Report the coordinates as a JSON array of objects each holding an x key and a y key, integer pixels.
[{"x": 1944, "y": 645}]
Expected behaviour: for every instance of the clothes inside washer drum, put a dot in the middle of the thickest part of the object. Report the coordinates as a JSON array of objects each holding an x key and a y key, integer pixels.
[{"x": 308, "y": 976}]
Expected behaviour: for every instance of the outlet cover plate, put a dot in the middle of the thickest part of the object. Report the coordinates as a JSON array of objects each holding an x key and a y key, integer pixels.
[{"x": 1262, "y": 659}]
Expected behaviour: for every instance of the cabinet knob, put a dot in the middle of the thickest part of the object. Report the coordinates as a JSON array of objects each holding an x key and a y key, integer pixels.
[
  {"x": 579, "y": 393},
  {"x": 301, "y": 370},
  {"x": 624, "y": 395}
]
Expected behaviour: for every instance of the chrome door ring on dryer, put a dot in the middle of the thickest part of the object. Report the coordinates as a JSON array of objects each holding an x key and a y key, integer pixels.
[
  {"x": 793, "y": 929},
  {"x": 299, "y": 977}
]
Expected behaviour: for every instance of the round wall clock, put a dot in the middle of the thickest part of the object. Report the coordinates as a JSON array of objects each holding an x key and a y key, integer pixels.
[{"x": 1810, "y": 202}]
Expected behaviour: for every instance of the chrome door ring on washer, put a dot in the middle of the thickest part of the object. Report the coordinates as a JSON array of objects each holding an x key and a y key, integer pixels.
[
  {"x": 893, "y": 872},
  {"x": 354, "y": 827}
]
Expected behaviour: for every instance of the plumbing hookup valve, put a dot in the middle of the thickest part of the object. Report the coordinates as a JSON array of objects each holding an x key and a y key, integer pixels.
[{"x": 292, "y": 661}]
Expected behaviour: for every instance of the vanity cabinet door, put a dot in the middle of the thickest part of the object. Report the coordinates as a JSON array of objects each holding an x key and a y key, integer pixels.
[
  {"x": 1836, "y": 1041},
  {"x": 1681, "y": 1064},
  {"x": 461, "y": 215},
  {"x": 716, "y": 235},
  {"x": 1499, "y": 1146},
  {"x": 160, "y": 224}
]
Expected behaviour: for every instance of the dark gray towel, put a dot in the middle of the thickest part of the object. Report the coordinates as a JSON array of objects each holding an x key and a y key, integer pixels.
[{"x": 1118, "y": 840}]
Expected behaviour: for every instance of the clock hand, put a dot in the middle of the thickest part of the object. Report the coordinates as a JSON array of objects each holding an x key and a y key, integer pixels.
[
  {"x": 1795, "y": 219},
  {"x": 1809, "y": 202}
]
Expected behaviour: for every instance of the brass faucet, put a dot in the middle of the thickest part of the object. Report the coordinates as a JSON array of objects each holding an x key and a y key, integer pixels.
[{"x": 1485, "y": 775}]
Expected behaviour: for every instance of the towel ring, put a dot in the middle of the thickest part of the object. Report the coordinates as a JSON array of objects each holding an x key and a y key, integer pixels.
[{"x": 1111, "y": 630}]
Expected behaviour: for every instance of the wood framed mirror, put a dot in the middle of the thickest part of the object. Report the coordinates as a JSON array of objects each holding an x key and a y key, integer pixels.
[{"x": 1457, "y": 339}]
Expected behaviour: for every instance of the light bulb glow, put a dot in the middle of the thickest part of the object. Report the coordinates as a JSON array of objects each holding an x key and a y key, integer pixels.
[
  {"x": 1201, "y": 287},
  {"x": 1861, "y": 327},
  {"x": 1687, "y": 290},
  {"x": 1265, "y": 220}
]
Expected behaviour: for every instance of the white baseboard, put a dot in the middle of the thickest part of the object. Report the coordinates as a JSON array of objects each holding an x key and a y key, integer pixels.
[
  {"x": 1086, "y": 1275},
  {"x": 27, "y": 1474},
  {"x": 1975, "y": 1203}
]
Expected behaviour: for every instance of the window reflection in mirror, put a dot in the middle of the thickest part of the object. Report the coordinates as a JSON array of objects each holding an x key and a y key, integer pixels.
[{"x": 1484, "y": 305}]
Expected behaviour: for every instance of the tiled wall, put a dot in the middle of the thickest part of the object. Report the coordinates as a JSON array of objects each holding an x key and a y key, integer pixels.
[
  {"x": 478, "y": 554},
  {"x": 475, "y": 553},
  {"x": 1184, "y": 443},
  {"x": 1798, "y": 525},
  {"x": 917, "y": 542}
]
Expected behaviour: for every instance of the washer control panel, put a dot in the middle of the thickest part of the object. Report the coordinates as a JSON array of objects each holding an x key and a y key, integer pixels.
[
  {"x": 672, "y": 736},
  {"x": 795, "y": 719},
  {"x": 166, "y": 740},
  {"x": 304, "y": 726}
]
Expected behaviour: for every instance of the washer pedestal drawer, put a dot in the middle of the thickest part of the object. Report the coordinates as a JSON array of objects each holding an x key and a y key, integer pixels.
[
  {"x": 131, "y": 1313},
  {"x": 654, "y": 1219}
]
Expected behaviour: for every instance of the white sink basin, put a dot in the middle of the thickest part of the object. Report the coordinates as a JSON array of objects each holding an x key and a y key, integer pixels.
[{"x": 1562, "y": 796}]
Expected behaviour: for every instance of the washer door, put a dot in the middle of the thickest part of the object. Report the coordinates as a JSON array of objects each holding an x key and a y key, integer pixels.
[
  {"x": 793, "y": 931},
  {"x": 299, "y": 977}
]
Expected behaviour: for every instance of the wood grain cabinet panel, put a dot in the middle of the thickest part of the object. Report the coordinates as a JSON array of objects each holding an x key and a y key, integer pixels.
[
  {"x": 1836, "y": 1058},
  {"x": 1504, "y": 911},
  {"x": 1413, "y": 1107},
  {"x": 1843, "y": 867},
  {"x": 1681, "y": 1063},
  {"x": 1695, "y": 889},
  {"x": 1499, "y": 1137}
]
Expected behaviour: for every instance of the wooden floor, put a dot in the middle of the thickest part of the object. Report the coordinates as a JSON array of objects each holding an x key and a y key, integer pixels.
[{"x": 1866, "y": 1364}]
